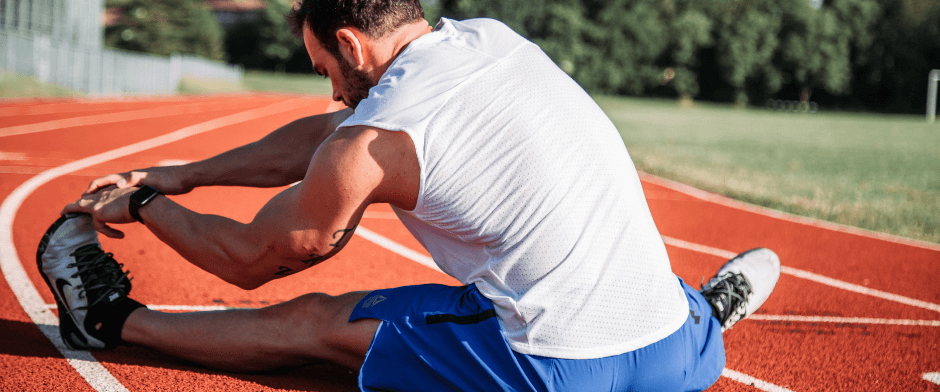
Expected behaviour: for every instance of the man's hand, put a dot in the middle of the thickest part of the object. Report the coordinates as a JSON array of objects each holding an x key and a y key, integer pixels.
[
  {"x": 106, "y": 205},
  {"x": 166, "y": 179}
]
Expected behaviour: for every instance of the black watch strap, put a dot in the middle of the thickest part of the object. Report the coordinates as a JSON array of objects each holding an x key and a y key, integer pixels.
[{"x": 139, "y": 199}]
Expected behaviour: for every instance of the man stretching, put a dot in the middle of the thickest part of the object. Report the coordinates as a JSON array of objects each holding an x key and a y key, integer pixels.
[{"x": 505, "y": 170}]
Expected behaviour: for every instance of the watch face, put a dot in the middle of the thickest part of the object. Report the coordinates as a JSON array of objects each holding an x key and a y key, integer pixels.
[
  {"x": 139, "y": 198},
  {"x": 144, "y": 194}
]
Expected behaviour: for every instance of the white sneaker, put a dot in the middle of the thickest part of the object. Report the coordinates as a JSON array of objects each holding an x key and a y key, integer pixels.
[{"x": 742, "y": 285}]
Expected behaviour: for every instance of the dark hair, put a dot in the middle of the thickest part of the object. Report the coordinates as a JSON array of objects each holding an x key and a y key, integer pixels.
[{"x": 374, "y": 18}]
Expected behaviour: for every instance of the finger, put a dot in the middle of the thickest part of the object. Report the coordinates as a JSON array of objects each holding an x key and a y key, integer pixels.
[
  {"x": 72, "y": 207},
  {"x": 108, "y": 231},
  {"x": 102, "y": 182},
  {"x": 132, "y": 180}
]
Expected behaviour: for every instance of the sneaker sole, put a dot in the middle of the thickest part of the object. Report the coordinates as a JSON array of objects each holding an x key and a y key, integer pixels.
[{"x": 67, "y": 326}]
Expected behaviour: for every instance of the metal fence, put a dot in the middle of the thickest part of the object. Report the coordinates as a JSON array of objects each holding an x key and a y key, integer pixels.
[
  {"x": 103, "y": 71},
  {"x": 60, "y": 42},
  {"x": 74, "y": 21}
]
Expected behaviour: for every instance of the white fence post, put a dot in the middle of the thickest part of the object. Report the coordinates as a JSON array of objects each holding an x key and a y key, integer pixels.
[
  {"x": 42, "y": 53},
  {"x": 932, "y": 95},
  {"x": 176, "y": 72}
]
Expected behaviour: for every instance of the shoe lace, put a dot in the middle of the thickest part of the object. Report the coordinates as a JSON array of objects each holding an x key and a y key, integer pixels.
[
  {"x": 100, "y": 275},
  {"x": 728, "y": 298}
]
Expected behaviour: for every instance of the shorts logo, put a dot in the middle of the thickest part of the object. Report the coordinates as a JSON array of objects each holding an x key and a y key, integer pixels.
[{"x": 372, "y": 301}]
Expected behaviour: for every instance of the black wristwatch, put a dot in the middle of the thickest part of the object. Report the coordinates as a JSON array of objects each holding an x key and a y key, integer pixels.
[{"x": 140, "y": 198}]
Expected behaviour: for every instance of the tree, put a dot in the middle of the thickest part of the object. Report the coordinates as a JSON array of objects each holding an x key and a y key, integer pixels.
[
  {"x": 607, "y": 46},
  {"x": 267, "y": 41},
  {"x": 165, "y": 27},
  {"x": 891, "y": 73},
  {"x": 690, "y": 31},
  {"x": 869, "y": 53}
]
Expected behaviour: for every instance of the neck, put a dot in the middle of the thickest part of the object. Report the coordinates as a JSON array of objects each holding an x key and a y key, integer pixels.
[{"x": 386, "y": 49}]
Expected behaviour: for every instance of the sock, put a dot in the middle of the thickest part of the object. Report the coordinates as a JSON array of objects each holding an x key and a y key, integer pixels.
[{"x": 106, "y": 321}]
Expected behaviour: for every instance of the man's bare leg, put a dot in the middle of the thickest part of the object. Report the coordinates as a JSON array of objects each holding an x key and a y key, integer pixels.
[{"x": 308, "y": 329}]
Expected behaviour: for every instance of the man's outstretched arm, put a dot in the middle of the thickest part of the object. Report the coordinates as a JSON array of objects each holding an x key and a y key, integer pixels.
[
  {"x": 278, "y": 159},
  {"x": 300, "y": 227}
]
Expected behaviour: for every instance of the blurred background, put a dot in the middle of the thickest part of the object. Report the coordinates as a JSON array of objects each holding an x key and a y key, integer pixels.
[
  {"x": 813, "y": 107},
  {"x": 849, "y": 55}
]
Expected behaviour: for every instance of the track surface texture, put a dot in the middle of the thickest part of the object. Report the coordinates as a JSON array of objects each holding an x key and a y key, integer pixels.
[{"x": 853, "y": 310}]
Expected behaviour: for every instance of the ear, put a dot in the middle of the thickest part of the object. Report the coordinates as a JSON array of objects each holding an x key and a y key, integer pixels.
[{"x": 351, "y": 46}]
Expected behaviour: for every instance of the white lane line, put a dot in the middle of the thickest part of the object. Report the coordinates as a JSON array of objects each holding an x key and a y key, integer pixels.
[
  {"x": 138, "y": 114},
  {"x": 380, "y": 215},
  {"x": 185, "y": 308},
  {"x": 173, "y": 162},
  {"x": 397, "y": 248},
  {"x": 725, "y": 254},
  {"x": 932, "y": 377},
  {"x": 27, "y": 295},
  {"x": 28, "y": 107},
  {"x": 12, "y": 156},
  {"x": 756, "y": 383},
  {"x": 96, "y": 172},
  {"x": 859, "y": 289},
  {"x": 843, "y": 320},
  {"x": 809, "y": 276},
  {"x": 761, "y": 317},
  {"x": 39, "y": 165},
  {"x": 740, "y": 205}
]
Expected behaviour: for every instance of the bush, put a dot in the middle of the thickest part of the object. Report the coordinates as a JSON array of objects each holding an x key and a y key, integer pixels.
[
  {"x": 166, "y": 27},
  {"x": 868, "y": 54}
]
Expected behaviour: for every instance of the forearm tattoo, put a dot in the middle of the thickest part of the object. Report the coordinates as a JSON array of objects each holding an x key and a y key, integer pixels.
[
  {"x": 284, "y": 271},
  {"x": 340, "y": 236}
]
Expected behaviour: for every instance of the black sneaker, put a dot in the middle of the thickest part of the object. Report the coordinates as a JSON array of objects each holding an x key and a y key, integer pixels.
[
  {"x": 742, "y": 285},
  {"x": 83, "y": 277}
]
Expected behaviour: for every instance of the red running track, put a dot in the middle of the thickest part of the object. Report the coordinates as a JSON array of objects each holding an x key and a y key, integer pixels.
[{"x": 853, "y": 310}]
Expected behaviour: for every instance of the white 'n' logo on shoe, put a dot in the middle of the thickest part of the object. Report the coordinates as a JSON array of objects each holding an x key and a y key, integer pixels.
[{"x": 372, "y": 301}]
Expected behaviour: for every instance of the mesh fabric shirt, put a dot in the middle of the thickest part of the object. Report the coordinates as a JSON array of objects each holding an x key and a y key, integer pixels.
[{"x": 528, "y": 192}]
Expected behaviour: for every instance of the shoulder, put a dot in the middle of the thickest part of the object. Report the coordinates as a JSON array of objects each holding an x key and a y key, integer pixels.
[{"x": 375, "y": 163}]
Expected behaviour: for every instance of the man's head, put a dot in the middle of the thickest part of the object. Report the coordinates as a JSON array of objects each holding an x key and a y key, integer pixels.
[
  {"x": 374, "y": 18},
  {"x": 334, "y": 32}
]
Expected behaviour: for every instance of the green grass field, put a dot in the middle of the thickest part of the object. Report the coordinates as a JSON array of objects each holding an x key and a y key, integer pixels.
[
  {"x": 15, "y": 86},
  {"x": 878, "y": 172},
  {"x": 260, "y": 81}
]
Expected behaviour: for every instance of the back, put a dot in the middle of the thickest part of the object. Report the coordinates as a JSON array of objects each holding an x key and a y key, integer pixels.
[{"x": 528, "y": 192}]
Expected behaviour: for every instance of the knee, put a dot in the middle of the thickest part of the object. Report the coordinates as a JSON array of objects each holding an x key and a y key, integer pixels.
[
  {"x": 308, "y": 318},
  {"x": 313, "y": 306}
]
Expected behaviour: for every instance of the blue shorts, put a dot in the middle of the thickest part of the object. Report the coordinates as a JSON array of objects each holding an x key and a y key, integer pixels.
[{"x": 444, "y": 338}]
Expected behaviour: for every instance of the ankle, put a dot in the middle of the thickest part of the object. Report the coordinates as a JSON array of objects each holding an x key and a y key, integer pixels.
[{"x": 105, "y": 322}]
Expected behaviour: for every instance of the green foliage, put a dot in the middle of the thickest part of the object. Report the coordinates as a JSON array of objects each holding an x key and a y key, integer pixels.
[
  {"x": 266, "y": 42},
  {"x": 892, "y": 74},
  {"x": 608, "y": 46},
  {"x": 166, "y": 27},
  {"x": 691, "y": 30},
  {"x": 432, "y": 11},
  {"x": 734, "y": 50}
]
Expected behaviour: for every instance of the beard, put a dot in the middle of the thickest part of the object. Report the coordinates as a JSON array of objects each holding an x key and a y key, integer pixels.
[{"x": 357, "y": 84}]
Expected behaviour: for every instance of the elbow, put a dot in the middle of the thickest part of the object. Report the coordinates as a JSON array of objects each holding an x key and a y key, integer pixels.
[
  {"x": 243, "y": 268},
  {"x": 243, "y": 281},
  {"x": 249, "y": 285},
  {"x": 245, "y": 275}
]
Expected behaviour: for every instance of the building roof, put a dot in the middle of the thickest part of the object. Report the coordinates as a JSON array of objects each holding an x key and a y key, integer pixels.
[{"x": 236, "y": 5}]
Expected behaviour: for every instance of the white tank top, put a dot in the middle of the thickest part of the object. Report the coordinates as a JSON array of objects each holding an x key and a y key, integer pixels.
[{"x": 527, "y": 191}]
